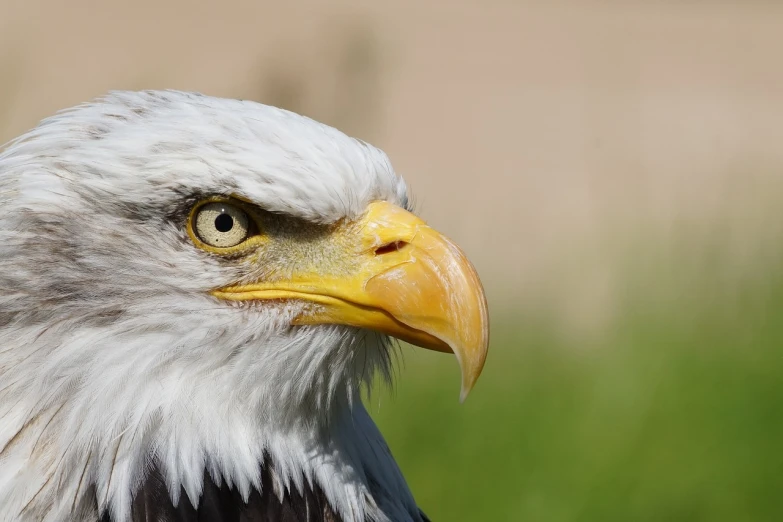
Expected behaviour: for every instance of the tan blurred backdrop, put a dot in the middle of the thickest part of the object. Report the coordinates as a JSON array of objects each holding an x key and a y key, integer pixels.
[{"x": 538, "y": 134}]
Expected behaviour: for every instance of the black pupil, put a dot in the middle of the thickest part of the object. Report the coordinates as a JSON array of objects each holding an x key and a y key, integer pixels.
[{"x": 224, "y": 223}]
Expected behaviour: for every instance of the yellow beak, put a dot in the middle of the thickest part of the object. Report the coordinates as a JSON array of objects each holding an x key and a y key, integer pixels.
[{"x": 406, "y": 280}]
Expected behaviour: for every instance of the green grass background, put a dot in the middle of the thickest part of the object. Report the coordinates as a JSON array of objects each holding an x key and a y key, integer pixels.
[{"x": 673, "y": 414}]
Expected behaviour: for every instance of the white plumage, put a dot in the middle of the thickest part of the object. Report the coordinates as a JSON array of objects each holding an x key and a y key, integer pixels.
[{"x": 115, "y": 358}]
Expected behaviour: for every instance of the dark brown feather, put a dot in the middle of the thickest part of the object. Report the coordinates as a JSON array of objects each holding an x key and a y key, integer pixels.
[{"x": 221, "y": 503}]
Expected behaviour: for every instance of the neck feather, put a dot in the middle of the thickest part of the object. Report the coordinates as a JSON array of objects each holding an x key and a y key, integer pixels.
[{"x": 87, "y": 415}]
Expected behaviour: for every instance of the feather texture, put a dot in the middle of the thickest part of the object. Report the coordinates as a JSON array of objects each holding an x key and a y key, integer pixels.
[
  {"x": 126, "y": 388},
  {"x": 222, "y": 503}
]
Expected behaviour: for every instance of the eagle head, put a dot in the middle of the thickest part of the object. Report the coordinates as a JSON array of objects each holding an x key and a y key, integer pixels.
[{"x": 194, "y": 292}]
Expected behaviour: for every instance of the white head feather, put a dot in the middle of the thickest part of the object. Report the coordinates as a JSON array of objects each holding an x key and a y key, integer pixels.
[{"x": 113, "y": 354}]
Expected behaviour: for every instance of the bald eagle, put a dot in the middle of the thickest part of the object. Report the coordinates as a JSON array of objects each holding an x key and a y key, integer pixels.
[{"x": 193, "y": 293}]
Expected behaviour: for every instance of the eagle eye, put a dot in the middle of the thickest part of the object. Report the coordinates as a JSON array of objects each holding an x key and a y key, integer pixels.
[{"x": 221, "y": 225}]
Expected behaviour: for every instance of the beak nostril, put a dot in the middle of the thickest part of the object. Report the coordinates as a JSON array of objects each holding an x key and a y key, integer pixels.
[{"x": 390, "y": 247}]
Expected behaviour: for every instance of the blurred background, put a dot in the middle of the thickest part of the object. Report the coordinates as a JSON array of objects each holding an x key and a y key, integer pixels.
[{"x": 614, "y": 170}]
